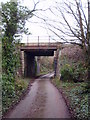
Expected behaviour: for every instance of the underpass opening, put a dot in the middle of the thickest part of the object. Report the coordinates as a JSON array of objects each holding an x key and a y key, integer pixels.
[
  {"x": 32, "y": 62},
  {"x": 46, "y": 64},
  {"x": 29, "y": 66}
]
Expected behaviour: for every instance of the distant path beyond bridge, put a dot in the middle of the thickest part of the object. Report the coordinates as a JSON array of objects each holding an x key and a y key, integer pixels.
[{"x": 42, "y": 101}]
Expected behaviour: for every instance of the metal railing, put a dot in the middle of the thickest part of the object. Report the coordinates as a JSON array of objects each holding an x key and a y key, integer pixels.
[
  {"x": 30, "y": 40},
  {"x": 39, "y": 39}
]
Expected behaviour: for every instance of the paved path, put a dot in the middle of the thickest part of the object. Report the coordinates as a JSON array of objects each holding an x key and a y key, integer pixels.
[{"x": 42, "y": 101}]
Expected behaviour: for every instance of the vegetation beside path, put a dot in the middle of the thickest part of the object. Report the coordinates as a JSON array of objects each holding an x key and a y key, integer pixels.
[
  {"x": 14, "y": 17},
  {"x": 76, "y": 97},
  {"x": 10, "y": 99}
]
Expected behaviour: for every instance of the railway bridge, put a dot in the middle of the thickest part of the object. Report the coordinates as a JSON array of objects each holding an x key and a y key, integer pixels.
[{"x": 30, "y": 53}]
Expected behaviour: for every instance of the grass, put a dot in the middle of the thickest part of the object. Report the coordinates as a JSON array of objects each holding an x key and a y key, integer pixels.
[
  {"x": 77, "y": 95},
  {"x": 20, "y": 86}
]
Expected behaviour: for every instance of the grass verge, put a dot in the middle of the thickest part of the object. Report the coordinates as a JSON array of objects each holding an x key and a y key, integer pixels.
[
  {"x": 76, "y": 97},
  {"x": 21, "y": 86}
]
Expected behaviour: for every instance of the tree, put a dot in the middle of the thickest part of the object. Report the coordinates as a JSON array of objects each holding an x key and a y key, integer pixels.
[
  {"x": 71, "y": 25},
  {"x": 88, "y": 35},
  {"x": 14, "y": 18}
]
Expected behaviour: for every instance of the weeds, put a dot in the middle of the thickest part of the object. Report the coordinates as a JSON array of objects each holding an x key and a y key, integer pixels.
[
  {"x": 12, "y": 93},
  {"x": 78, "y": 98}
]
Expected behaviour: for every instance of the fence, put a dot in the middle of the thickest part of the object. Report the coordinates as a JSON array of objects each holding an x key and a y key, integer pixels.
[{"x": 29, "y": 39}]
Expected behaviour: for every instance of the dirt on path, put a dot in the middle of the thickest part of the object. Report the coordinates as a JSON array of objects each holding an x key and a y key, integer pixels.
[{"x": 42, "y": 101}]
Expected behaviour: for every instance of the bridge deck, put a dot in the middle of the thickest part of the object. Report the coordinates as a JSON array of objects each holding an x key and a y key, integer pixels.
[
  {"x": 39, "y": 46},
  {"x": 45, "y": 49}
]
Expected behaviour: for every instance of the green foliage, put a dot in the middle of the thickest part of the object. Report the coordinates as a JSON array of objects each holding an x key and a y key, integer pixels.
[
  {"x": 13, "y": 19},
  {"x": 20, "y": 86},
  {"x": 66, "y": 72},
  {"x": 9, "y": 16},
  {"x": 56, "y": 82},
  {"x": 8, "y": 86},
  {"x": 76, "y": 72},
  {"x": 75, "y": 58},
  {"x": 76, "y": 96},
  {"x": 79, "y": 72},
  {"x": 11, "y": 92},
  {"x": 8, "y": 91},
  {"x": 46, "y": 64},
  {"x": 35, "y": 67}
]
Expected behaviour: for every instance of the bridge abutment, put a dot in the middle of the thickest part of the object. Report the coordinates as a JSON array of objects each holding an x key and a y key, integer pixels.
[
  {"x": 31, "y": 66},
  {"x": 28, "y": 65},
  {"x": 22, "y": 63},
  {"x": 38, "y": 65},
  {"x": 57, "y": 63}
]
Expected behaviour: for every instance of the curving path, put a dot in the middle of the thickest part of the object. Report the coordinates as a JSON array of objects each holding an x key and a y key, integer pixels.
[{"x": 42, "y": 101}]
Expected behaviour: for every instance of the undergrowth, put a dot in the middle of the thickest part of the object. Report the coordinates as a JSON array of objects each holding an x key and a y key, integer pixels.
[
  {"x": 77, "y": 95},
  {"x": 9, "y": 98}
]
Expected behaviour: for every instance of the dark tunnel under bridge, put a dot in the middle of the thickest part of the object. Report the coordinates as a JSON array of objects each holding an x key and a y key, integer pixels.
[{"x": 28, "y": 54}]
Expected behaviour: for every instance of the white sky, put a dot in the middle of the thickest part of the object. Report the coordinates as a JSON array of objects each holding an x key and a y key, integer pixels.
[{"x": 34, "y": 28}]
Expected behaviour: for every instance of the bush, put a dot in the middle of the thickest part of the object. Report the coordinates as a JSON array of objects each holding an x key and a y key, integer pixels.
[
  {"x": 11, "y": 91},
  {"x": 76, "y": 72},
  {"x": 8, "y": 92},
  {"x": 66, "y": 72},
  {"x": 20, "y": 85},
  {"x": 79, "y": 72},
  {"x": 8, "y": 88}
]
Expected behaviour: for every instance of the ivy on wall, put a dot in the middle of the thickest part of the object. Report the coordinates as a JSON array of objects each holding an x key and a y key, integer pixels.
[{"x": 14, "y": 18}]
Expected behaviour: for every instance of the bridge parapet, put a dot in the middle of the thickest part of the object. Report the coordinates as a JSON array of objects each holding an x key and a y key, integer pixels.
[
  {"x": 41, "y": 40},
  {"x": 30, "y": 50},
  {"x": 42, "y": 46}
]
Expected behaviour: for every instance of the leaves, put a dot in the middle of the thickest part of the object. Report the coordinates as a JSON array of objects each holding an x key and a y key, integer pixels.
[
  {"x": 13, "y": 19},
  {"x": 78, "y": 100},
  {"x": 73, "y": 63}
]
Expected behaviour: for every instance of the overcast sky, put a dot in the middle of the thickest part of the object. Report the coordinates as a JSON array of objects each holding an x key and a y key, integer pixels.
[{"x": 34, "y": 28}]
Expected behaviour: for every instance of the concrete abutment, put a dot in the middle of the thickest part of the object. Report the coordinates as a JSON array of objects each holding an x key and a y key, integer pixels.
[{"x": 30, "y": 64}]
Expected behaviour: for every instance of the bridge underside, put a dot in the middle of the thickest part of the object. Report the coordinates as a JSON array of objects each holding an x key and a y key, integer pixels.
[
  {"x": 40, "y": 52},
  {"x": 30, "y": 61},
  {"x": 29, "y": 57}
]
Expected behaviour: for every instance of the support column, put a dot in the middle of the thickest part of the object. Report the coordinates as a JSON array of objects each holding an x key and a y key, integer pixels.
[
  {"x": 22, "y": 63},
  {"x": 38, "y": 65},
  {"x": 30, "y": 69},
  {"x": 57, "y": 64},
  {"x": 25, "y": 65}
]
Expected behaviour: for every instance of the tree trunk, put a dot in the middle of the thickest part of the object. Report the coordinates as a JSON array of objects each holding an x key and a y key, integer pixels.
[{"x": 89, "y": 41}]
